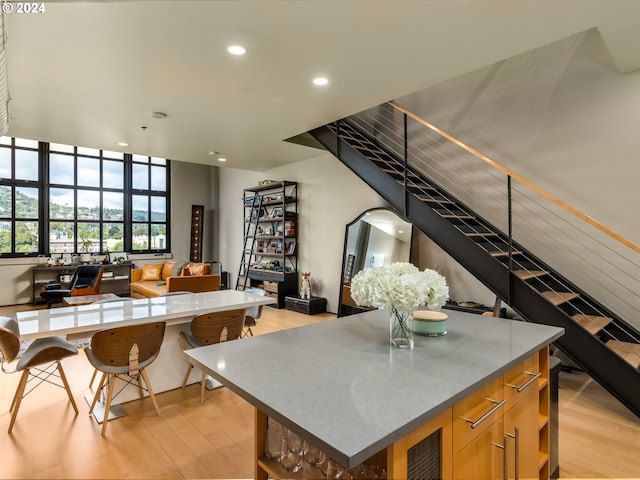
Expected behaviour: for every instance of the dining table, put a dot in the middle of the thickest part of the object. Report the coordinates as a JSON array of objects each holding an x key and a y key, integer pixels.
[{"x": 79, "y": 323}]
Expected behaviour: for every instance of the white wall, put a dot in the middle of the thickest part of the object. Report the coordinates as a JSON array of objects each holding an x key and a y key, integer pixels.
[{"x": 330, "y": 196}]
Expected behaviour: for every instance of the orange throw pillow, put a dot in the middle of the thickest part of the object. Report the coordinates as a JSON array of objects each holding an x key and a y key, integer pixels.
[
  {"x": 167, "y": 268},
  {"x": 197, "y": 269},
  {"x": 152, "y": 272}
]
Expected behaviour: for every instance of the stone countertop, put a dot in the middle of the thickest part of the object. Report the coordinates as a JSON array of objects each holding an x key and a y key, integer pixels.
[
  {"x": 85, "y": 319},
  {"x": 342, "y": 386}
]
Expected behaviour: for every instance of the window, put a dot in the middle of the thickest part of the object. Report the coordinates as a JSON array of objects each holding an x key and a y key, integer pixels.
[
  {"x": 149, "y": 203},
  {"x": 87, "y": 200},
  {"x": 19, "y": 197}
]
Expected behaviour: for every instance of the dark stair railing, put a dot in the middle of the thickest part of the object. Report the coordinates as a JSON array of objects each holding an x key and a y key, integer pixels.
[{"x": 387, "y": 149}]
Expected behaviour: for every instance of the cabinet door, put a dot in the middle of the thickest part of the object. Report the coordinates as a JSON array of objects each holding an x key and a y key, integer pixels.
[
  {"x": 484, "y": 457},
  {"x": 523, "y": 457}
]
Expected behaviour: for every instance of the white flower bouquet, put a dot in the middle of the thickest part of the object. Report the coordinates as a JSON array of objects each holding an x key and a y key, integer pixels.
[
  {"x": 402, "y": 285},
  {"x": 400, "y": 288}
]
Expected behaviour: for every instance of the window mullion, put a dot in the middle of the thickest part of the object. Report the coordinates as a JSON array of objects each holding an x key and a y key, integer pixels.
[{"x": 43, "y": 207}]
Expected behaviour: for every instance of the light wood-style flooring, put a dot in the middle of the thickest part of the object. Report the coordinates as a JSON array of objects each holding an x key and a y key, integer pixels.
[{"x": 598, "y": 437}]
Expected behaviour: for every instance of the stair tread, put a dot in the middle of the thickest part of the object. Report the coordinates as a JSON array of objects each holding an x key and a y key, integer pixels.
[
  {"x": 436, "y": 201},
  {"x": 628, "y": 351},
  {"x": 481, "y": 234},
  {"x": 421, "y": 187},
  {"x": 529, "y": 274},
  {"x": 366, "y": 149},
  {"x": 592, "y": 323},
  {"x": 465, "y": 217},
  {"x": 390, "y": 171},
  {"x": 559, "y": 297},
  {"x": 502, "y": 253}
]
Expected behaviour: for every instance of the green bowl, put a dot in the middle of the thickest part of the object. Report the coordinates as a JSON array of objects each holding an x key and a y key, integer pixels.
[{"x": 429, "y": 323}]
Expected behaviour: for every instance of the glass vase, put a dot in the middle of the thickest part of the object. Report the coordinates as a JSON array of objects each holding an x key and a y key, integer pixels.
[{"x": 401, "y": 328}]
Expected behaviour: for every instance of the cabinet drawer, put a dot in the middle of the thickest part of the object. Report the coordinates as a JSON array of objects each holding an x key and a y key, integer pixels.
[
  {"x": 477, "y": 412},
  {"x": 482, "y": 458},
  {"x": 520, "y": 380},
  {"x": 271, "y": 287}
]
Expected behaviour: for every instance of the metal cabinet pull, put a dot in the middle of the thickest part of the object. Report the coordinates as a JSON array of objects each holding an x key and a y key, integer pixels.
[
  {"x": 517, "y": 451},
  {"x": 475, "y": 423},
  {"x": 520, "y": 388},
  {"x": 505, "y": 463}
]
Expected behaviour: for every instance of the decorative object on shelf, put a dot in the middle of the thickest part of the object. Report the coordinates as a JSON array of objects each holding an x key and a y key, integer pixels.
[
  {"x": 400, "y": 288},
  {"x": 119, "y": 257},
  {"x": 305, "y": 285},
  {"x": 470, "y": 304},
  {"x": 430, "y": 323},
  {"x": 495, "y": 311},
  {"x": 85, "y": 245}
]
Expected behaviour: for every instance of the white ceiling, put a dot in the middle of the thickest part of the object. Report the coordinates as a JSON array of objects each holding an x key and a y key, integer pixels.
[{"x": 91, "y": 73}]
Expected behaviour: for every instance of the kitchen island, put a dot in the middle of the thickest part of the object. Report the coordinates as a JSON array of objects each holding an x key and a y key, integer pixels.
[{"x": 342, "y": 387}]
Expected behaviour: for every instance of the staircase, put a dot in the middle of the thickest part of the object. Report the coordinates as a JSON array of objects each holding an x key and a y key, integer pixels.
[{"x": 605, "y": 346}]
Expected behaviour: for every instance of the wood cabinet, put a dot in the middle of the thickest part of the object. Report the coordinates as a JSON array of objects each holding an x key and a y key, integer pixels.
[
  {"x": 499, "y": 431},
  {"x": 521, "y": 418},
  {"x": 521, "y": 428},
  {"x": 483, "y": 458},
  {"x": 115, "y": 278},
  {"x": 270, "y": 251}
]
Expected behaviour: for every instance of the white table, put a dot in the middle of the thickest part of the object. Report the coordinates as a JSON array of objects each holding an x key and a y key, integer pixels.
[{"x": 167, "y": 372}]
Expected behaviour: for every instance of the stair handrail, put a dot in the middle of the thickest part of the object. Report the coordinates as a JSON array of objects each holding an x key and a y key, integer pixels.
[{"x": 578, "y": 213}]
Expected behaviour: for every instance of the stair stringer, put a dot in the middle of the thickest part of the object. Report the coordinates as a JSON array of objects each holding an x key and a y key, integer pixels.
[{"x": 606, "y": 367}]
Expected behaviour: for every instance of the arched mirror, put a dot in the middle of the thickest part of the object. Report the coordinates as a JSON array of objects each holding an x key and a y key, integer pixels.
[{"x": 377, "y": 237}]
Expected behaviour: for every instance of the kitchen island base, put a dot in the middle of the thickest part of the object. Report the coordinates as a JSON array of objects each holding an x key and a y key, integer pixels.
[{"x": 452, "y": 445}]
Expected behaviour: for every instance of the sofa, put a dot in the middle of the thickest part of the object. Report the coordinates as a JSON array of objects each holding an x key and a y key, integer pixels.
[{"x": 153, "y": 280}]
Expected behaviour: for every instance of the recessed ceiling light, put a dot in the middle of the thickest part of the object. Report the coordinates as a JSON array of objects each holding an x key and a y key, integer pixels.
[
  {"x": 123, "y": 144},
  {"x": 236, "y": 50},
  {"x": 320, "y": 81},
  {"x": 222, "y": 159}
]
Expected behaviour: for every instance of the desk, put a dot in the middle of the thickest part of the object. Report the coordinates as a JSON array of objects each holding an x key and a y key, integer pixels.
[
  {"x": 340, "y": 385},
  {"x": 87, "y": 299},
  {"x": 167, "y": 372}
]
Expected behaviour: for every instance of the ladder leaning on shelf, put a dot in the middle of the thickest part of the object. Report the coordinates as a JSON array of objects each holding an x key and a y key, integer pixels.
[{"x": 248, "y": 253}]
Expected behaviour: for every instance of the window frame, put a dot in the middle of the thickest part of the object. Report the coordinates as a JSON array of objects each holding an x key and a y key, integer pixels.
[{"x": 44, "y": 187}]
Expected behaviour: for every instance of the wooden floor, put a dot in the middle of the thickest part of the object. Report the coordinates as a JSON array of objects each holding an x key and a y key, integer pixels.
[{"x": 598, "y": 437}]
